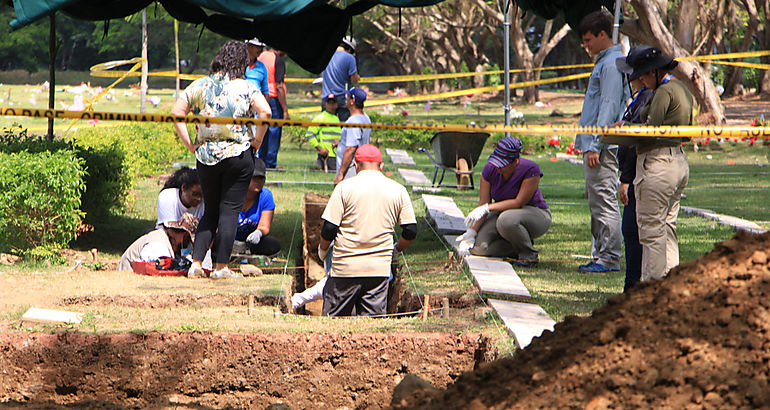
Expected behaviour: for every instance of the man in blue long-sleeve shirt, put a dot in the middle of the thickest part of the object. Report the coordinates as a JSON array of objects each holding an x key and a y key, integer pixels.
[{"x": 603, "y": 105}]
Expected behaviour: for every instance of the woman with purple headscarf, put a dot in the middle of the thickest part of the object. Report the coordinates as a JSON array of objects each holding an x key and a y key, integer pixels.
[{"x": 511, "y": 209}]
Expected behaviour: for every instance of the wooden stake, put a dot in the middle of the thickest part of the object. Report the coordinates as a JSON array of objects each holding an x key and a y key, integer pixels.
[
  {"x": 426, "y": 308},
  {"x": 445, "y": 307},
  {"x": 250, "y": 309}
]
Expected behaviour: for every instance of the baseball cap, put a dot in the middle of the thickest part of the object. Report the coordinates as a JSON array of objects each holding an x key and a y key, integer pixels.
[
  {"x": 357, "y": 94},
  {"x": 330, "y": 96},
  {"x": 368, "y": 153},
  {"x": 256, "y": 42},
  {"x": 350, "y": 42},
  {"x": 506, "y": 151},
  {"x": 259, "y": 168}
]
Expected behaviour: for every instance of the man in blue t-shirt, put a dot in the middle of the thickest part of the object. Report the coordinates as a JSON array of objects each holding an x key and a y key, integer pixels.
[
  {"x": 256, "y": 72},
  {"x": 339, "y": 73},
  {"x": 256, "y": 216},
  {"x": 352, "y": 138}
]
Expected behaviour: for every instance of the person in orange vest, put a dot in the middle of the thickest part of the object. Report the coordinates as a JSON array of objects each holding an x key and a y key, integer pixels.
[{"x": 276, "y": 72}]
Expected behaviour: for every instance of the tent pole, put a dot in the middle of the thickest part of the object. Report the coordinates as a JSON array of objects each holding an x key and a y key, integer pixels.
[
  {"x": 616, "y": 24},
  {"x": 507, "y": 58},
  {"x": 143, "y": 84},
  {"x": 51, "y": 69},
  {"x": 176, "y": 48}
]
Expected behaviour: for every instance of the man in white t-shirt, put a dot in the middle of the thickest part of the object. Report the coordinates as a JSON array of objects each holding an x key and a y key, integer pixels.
[{"x": 360, "y": 218}]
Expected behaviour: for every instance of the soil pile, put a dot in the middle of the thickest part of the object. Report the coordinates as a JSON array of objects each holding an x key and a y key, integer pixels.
[
  {"x": 698, "y": 338},
  {"x": 215, "y": 370}
]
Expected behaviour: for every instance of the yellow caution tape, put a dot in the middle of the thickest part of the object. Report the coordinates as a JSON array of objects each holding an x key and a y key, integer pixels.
[
  {"x": 100, "y": 70},
  {"x": 631, "y": 131},
  {"x": 745, "y": 54},
  {"x": 457, "y": 93},
  {"x": 742, "y": 64}
]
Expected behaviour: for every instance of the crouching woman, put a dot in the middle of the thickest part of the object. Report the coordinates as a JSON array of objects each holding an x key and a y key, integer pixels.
[{"x": 511, "y": 211}]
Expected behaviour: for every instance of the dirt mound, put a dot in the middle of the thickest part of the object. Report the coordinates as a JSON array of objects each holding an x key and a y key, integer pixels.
[
  {"x": 215, "y": 370},
  {"x": 698, "y": 338}
]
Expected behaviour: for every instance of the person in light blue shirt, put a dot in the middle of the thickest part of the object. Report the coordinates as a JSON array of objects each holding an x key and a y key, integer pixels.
[
  {"x": 352, "y": 138},
  {"x": 603, "y": 106},
  {"x": 256, "y": 72},
  {"x": 339, "y": 74}
]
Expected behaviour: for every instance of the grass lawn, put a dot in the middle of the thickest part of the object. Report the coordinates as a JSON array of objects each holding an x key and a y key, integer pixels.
[{"x": 739, "y": 189}]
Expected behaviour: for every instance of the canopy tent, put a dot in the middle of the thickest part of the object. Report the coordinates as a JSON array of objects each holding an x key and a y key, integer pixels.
[
  {"x": 571, "y": 10},
  {"x": 308, "y": 31}
]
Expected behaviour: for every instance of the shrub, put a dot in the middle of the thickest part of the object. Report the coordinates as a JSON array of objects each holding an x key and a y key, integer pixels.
[
  {"x": 40, "y": 199},
  {"x": 108, "y": 177},
  {"x": 149, "y": 147},
  {"x": 410, "y": 139}
]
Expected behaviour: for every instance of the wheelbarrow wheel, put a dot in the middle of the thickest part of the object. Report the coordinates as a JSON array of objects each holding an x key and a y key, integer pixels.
[{"x": 463, "y": 179}]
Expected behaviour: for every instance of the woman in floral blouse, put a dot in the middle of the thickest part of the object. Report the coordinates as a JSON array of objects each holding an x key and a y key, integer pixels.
[{"x": 224, "y": 153}]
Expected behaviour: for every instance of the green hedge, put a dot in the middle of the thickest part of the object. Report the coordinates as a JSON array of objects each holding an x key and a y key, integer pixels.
[
  {"x": 410, "y": 139},
  {"x": 117, "y": 156},
  {"x": 107, "y": 177},
  {"x": 148, "y": 147},
  {"x": 40, "y": 195}
]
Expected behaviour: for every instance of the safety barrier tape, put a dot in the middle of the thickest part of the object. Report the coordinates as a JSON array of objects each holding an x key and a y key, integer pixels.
[
  {"x": 631, "y": 131},
  {"x": 456, "y": 93},
  {"x": 100, "y": 70}
]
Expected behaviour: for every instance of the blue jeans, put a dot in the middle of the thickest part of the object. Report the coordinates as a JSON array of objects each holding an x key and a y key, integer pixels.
[
  {"x": 631, "y": 240},
  {"x": 268, "y": 151}
]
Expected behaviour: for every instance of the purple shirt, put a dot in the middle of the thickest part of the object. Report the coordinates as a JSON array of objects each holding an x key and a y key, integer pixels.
[{"x": 502, "y": 190}]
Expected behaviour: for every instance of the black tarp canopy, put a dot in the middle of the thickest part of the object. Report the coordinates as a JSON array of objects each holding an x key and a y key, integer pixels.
[
  {"x": 307, "y": 30},
  {"x": 571, "y": 10}
]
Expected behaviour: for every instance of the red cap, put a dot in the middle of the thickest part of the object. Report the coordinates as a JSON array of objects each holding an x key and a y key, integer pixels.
[{"x": 368, "y": 153}]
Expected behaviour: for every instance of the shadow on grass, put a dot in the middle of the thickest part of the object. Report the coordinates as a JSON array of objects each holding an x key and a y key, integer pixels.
[{"x": 113, "y": 234}]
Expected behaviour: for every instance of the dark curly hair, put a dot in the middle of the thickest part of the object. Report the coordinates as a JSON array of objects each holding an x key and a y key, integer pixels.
[
  {"x": 183, "y": 177},
  {"x": 231, "y": 59}
]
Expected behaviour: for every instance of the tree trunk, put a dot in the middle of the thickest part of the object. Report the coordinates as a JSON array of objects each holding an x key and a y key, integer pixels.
[
  {"x": 685, "y": 27},
  {"x": 763, "y": 37},
  {"x": 733, "y": 85},
  {"x": 524, "y": 56},
  {"x": 691, "y": 73}
]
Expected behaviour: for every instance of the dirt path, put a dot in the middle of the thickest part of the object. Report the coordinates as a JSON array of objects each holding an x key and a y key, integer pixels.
[{"x": 225, "y": 369}]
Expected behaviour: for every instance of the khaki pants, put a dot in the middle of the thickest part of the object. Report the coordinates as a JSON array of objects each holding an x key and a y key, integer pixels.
[
  {"x": 602, "y": 192},
  {"x": 661, "y": 176},
  {"x": 510, "y": 233}
]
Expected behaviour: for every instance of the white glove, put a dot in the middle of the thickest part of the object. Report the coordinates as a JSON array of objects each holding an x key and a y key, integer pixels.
[
  {"x": 254, "y": 237},
  {"x": 466, "y": 242},
  {"x": 476, "y": 215},
  {"x": 322, "y": 253}
]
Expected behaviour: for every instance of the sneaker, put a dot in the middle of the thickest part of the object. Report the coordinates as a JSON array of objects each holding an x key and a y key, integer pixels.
[
  {"x": 225, "y": 274},
  {"x": 595, "y": 267},
  {"x": 195, "y": 271},
  {"x": 587, "y": 265}
]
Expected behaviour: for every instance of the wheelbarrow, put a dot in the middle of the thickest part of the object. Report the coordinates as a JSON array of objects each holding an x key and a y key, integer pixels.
[{"x": 456, "y": 151}]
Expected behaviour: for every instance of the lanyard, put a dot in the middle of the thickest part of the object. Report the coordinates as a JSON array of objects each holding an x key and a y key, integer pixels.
[
  {"x": 631, "y": 106},
  {"x": 665, "y": 80}
]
